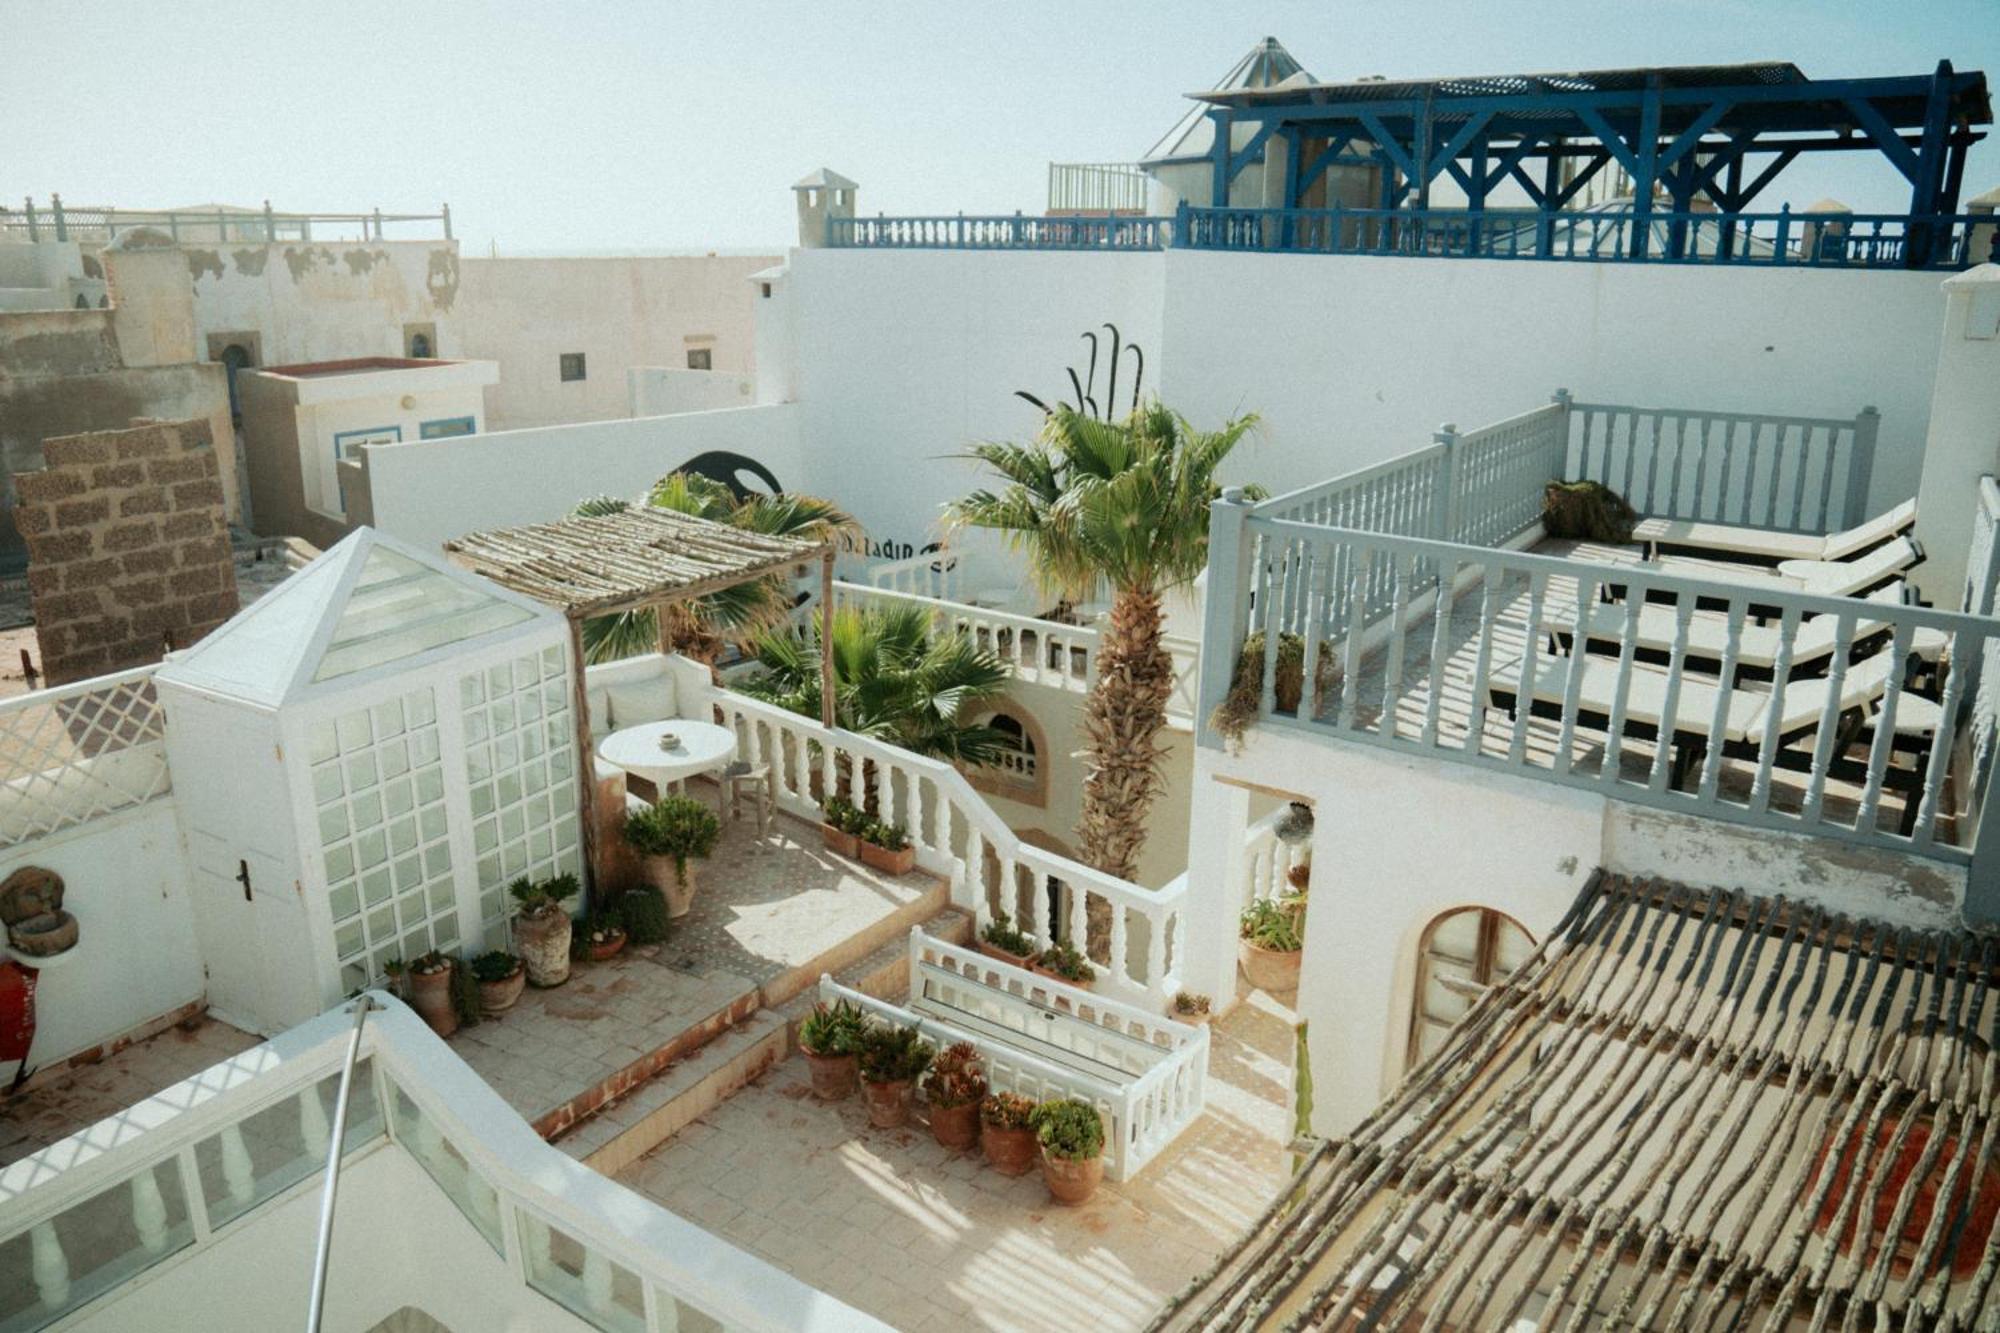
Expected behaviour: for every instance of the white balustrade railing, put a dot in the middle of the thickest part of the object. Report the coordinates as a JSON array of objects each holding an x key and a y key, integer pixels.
[
  {"x": 1040, "y": 652},
  {"x": 928, "y": 574},
  {"x": 1267, "y": 863},
  {"x": 76, "y": 752},
  {"x": 1140, "y": 946},
  {"x": 195, "y": 1166}
]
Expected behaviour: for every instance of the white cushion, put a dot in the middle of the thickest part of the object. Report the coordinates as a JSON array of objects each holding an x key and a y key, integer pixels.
[
  {"x": 600, "y": 711},
  {"x": 641, "y": 702}
]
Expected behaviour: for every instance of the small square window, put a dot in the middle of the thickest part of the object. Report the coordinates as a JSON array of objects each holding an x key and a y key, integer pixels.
[
  {"x": 766, "y": 290},
  {"x": 571, "y": 366},
  {"x": 701, "y": 358}
]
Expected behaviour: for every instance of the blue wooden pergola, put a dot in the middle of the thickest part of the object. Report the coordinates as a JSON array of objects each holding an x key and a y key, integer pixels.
[{"x": 1717, "y": 134}]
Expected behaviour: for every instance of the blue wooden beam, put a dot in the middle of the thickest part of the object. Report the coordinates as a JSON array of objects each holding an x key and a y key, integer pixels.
[
  {"x": 1389, "y": 144},
  {"x": 1691, "y": 136},
  {"x": 1251, "y": 150},
  {"x": 1880, "y": 133},
  {"x": 1220, "y": 121}
]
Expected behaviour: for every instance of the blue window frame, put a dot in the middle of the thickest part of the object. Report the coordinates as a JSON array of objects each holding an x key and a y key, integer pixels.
[
  {"x": 446, "y": 427},
  {"x": 346, "y": 441}
]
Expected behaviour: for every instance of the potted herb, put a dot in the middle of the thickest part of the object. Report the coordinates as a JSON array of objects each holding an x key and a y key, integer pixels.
[
  {"x": 501, "y": 977},
  {"x": 542, "y": 927},
  {"x": 601, "y": 937},
  {"x": 1191, "y": 1008},
  {"x": 643, "y": 913},
  {"x": 955, "y": 1087},
  {"x": 1007, "y": 1132},
  {"x": 831, "y": 1040},
  {"x": 892, "y": 1059},
  {"x": 430, "y": 992},
  {"x": 1063, "y": 961},
  {"x": 1273, "y": 942},
  {"x": 667, "y": 836},
  {"x": 1072, "y": 1137},
  {"x": 840, "y": 825},
  {"x": 887, "y": 848},
  {"x": 999, "y": 940}
]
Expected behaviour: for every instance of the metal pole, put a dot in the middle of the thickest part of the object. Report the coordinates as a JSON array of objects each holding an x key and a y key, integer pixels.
[
  {"x": 826, "y": 681},
  {"x": 333, "y": 1155}
]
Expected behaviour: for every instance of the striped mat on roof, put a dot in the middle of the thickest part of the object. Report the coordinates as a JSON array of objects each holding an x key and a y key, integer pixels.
[{"x": 1688, "y": 1110}]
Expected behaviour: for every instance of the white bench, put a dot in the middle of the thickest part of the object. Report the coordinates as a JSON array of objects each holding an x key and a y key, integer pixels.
[{"x": 1144, "y": 1072}]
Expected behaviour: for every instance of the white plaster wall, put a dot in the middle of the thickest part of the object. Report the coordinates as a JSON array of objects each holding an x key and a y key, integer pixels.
[
  {"x": 136, "y": 958},
  {"x": 1964, "y": 442},
  {"x": 326, "y": 301},
  {"x": 430, "y": 492},
  {"x": 620, "y": 312},
  {"x": 319, "y": 423},
  {"x": 661, "y": 391}
]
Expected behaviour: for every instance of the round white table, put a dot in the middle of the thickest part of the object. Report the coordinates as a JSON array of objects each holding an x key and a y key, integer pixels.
[{"x": 698, "y": 747}]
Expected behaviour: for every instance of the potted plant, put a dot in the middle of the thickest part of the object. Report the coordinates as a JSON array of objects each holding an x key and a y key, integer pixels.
[
  {"x": 1007, "y": 1132},
  {"x": 1072, "y": 1137},
  {"x": 501, "y": 976},
  {"x": 430, "y": 992},
  {"x": 1001, "y": 941},
  {"x": 1064, "y": 962},
  {"x": 840, "y": 825},
  {"x": 892, "y": 1058},
  {"x": 464, "y": 993},
  {"x": 1273, "y": 942},
  {"x": 887, "y": 848},
  {"x": 830, "y": 1036},
  {"x": 601, "y": 937},
  {"x": 955, "y": 1087},
  {"x": 1299, "y": 876},
  {"x": 542, "y": 928},
  {"x": 667, "y": 835},
  {"x": 643, "y": 913},
  {"x": 1191, "y": 1008}
]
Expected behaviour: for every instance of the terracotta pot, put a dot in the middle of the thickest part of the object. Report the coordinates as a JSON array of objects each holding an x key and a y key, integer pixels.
[
  {"x": 956, "y": 1127},
  {"x": 608, "y": 949},
  {"x": 1199, "y": 1020},
  {"x": 888, "y": 862},
  {"x": 497, "y": 997},
  {"x": 833, "y": 1076},
  {"x": 44, "y": 935},
  {"x": 1072, "y": 1181},
  {"x": 659, "y": 872},
  {"x": 1024, "y": 961},
  {"x": 888, "y": 1103},
  {"x": 1299, "y": 876},
  {"x": 543, "y": 943},
  {"x": 1011, "y": 1152},
  {"x": 430, "y": 996},
  {"x": 840, "y": 844},
  {"x": 1270, "y": 969}
]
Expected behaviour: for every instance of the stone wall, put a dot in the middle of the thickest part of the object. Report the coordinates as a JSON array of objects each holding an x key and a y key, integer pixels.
[{"x": 128, "y": 546}]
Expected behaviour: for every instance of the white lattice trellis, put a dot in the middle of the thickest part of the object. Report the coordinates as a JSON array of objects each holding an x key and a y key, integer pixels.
[{"x": 72, "y": 754}]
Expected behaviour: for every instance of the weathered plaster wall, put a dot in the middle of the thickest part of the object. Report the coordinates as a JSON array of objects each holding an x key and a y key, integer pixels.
[
  {"x": 660, "y": 391},
  {"x": 324, "y": 301},
  {"x": 620, "y": 312}
]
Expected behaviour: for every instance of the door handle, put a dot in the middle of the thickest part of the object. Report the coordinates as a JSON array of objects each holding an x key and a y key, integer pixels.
[{"x": 243, "y": 878}]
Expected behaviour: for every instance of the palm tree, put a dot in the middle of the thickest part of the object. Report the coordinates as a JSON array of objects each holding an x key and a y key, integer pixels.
[
  {"x": 699, "y": 628},
  {"x": 1125, "y": 504},
  {"x": 893, "y": 680}
]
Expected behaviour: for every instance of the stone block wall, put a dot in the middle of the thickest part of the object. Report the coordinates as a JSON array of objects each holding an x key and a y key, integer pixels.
[{"x": 128, "y": 546}]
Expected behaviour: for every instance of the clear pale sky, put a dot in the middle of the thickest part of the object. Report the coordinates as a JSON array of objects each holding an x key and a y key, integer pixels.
[{"x": 574, "y": 127}]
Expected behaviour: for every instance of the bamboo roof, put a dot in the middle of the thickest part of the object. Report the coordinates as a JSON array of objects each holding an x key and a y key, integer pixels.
[
  {"x": 1688, "y": 1110},
  {"x": 619, "y": 562}
]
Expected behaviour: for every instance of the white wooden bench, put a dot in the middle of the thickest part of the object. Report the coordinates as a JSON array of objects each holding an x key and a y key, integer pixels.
[{"x": 1144, "y": 1072}]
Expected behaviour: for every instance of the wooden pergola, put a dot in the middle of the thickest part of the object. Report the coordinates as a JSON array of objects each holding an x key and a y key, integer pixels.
[
  {"x": 1690, "y": 1109},
  {"x": 636, "y": 558}
]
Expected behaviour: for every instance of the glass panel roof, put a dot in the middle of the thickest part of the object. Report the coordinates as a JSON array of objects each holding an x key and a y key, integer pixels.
[{"x": 400, "y": 608}]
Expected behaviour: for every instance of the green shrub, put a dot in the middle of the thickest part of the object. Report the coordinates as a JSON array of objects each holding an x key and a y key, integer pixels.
[
  {"x": 889, "y": 837},
  {"x": 1275, "y": 923},
  {"x": 1000, "y": 933},
  {"x": 643, "y": 913},
  {"x": 465, "y": 995},
  {"x": 1064, "y": 959},
  {"x": 678, "y": 826},
  {"x": 1008, "y": 1110},
  {"x": 894, "y": 1054},
  {"x": 497, "y": 965},
  {"x": 832, "y": 1030},
  {"x": 1069, "y": 1129},
  {"x": 957, "y": 1077}
]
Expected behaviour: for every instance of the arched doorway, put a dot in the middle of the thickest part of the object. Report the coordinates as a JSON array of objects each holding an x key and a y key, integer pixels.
[
  {"x": 1460, "y": 955},
  {"x": 235, "y": 357}
]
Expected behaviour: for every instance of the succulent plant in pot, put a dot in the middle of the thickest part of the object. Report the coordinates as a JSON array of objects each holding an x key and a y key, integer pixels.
[
  {"x": 887, "y": 848},
  {"x": 1066, "y": 963},
  {"x": 1072, "y": 1137},
  {"x": 830, "y": 1036},
  {"x": 1191, "y": 1008},
  {"x": 542, "y": 928},
  {"x": 669, "y": 836},
  {"x": 600, "y": 936},
  {"x": 1273, "y": 942},
  {"x": 429, "y": 980},
  {"x": 1007, "y": 1132},
  {"x": 1000, "y": 940},
  {"x": 840, "y": 825},
  {"x": 955, "y": 1087},
  {"x": 501, "y": 976},
  {"x": 892, "y": 1059}
]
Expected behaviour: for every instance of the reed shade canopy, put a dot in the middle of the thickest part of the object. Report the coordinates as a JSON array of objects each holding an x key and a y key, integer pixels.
[
  {"x": 635, "y": 558},
  {"x": 1689, "y": 1109}
]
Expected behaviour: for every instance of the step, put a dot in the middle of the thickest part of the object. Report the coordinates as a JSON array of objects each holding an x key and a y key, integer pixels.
[
  {"x": 885, "y": 973},
  {"x": 886, "y": 932},
  {"x": 623, "y": 1131}
]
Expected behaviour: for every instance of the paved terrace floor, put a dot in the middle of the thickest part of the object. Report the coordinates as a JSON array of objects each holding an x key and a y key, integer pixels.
[
  {"x": 1587, "y": 750},
  {"x": 893, "y": 1224}
]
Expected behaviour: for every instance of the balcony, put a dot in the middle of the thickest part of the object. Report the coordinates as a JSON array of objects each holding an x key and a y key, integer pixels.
[{"x": 1431, "y": 618}]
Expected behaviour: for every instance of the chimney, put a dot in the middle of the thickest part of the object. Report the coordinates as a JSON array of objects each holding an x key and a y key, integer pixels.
[{"x": 822, "y": 196}]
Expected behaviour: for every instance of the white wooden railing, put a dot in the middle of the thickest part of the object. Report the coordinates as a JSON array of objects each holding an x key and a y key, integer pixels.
[
  {"x": 1040, "y": 652},
  {"x": 77, "y": 752},
  {"x": 927, "y": 574},
  {"x": 194, "y": 1167},
  {"x": 958, "y": 836},
  {"x": 1266, "y": 861}
]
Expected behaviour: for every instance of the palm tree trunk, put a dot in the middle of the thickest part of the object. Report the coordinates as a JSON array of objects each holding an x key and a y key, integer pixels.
[{"x": 1122, "y": 719}]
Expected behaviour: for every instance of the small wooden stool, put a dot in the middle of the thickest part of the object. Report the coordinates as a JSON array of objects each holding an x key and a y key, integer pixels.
[{"x": 745, "y": 779}]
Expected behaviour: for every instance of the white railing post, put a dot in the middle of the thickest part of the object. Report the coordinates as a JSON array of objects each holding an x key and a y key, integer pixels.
[
  {"x": 1860, "y": 469},
  {"x": 1445, "y": 505},
  {"x": 1225, "y": 608}
]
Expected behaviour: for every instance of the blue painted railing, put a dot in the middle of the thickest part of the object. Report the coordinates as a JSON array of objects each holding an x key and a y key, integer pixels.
[{"x": 1016, "y": 232}]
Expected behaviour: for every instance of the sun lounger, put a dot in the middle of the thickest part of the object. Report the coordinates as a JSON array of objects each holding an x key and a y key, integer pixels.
[
  {"x": 1825, "y": 578},
  {"x": 1756, "y": 545}
]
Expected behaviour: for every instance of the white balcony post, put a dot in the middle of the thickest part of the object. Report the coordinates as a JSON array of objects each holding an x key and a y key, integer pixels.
[
  {"x": 1226, "y": 607},
  {"x": 1958, "y": 444},
  {"x": 1217, "y": 880}
]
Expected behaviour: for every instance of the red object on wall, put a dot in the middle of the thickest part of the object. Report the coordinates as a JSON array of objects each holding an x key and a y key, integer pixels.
[{"x": 17, "y": 1010}]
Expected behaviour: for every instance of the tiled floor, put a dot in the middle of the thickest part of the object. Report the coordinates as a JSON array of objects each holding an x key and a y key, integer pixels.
[
  {"x": 891, "y": 1223},
  {"x": 766, "y": 909},
  {"x": 49, "y": 1114}
]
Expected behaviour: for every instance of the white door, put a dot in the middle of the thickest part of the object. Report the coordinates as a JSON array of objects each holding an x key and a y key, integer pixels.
[{"x": 231, "y": 885}]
